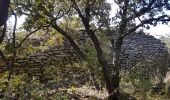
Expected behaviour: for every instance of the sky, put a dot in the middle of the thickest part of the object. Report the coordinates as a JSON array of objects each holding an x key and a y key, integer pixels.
[
  {"x": 20, "y": 21},
  {"x": 157, "y": 31}
]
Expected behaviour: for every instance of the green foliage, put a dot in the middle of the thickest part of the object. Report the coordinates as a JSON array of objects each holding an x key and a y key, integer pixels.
[
  {"x": 57, "y": 80},
  {"x": 93, "y": 65},
  {"x": 23, "y": 87},
  {"x": 138, "y": 86},
  {"x": 140, "y": 82},
  {"x": 55, "y": 38},
  {"x": 38, "y": 41}
]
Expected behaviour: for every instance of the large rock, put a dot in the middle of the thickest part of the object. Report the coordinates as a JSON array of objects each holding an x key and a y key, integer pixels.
[{"x": 145, "y": 54}]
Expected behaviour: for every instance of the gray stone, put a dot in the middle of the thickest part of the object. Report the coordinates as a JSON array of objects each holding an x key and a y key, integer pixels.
[{"x": 145, "y": 53}]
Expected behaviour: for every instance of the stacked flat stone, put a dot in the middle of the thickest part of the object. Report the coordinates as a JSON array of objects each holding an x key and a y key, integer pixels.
[
  {"x": 33, "y": 64},
  {"x": 144, "y": 53}
]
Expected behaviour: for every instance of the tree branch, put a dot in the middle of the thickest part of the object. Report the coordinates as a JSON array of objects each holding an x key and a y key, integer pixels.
[
  {"x": 142, "y": 11},
  {"x": 160, "y": 18},
  {"x": 14, "y": 49},
  {"x": 41, "y": 27},
  {"x": 85, "y": 18},
  {"x": 124, "y": 21},
  {"x": 75, "y": 6}
]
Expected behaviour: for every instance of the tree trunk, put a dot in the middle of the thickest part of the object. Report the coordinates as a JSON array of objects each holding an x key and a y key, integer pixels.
[
  {"x": 72, "y": 42},
  {"x": 4, "y": 4},
  {"x": 115, "y": 79},
  {"x": 112, "y": 82}
]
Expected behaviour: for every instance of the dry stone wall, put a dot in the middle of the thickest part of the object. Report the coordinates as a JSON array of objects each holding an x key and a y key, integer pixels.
[
  {"x": 34, "y": 63},
  {"x": 139, "y": 52},
  {"x": 142, "y": 52}
]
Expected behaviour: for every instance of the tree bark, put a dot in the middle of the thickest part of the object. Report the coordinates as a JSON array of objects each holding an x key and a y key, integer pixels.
[
  {"x": 4, "y": 4},
  {"x": 115, "y": 79},
  {"x": 101, "y": 59},
  {"x": 13, "y": 46}
]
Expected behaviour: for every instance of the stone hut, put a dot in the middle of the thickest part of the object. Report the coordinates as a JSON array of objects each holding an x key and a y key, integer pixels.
[{"x": 144, "y": 54}]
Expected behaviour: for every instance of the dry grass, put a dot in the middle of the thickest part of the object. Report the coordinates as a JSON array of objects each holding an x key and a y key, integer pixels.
[{"x": 89, "y": 93}]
